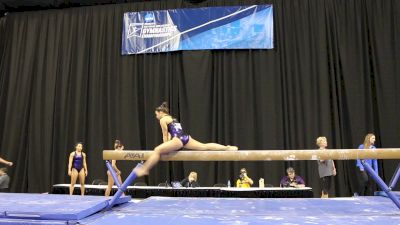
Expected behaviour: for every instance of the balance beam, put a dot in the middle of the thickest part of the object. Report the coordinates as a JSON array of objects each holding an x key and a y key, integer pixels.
[{"x": 258, "y": 155}]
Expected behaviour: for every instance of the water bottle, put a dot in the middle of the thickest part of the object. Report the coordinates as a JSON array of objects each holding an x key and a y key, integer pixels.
[{"x": 229, "y": 183}]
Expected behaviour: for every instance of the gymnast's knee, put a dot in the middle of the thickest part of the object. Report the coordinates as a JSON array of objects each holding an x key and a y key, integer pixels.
[{"x": 157, "y": 151}]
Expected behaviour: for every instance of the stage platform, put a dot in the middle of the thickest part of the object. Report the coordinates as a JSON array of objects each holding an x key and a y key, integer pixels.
[
  {"x": 46, "y": 209},
  {"x": 214, "y": 192}
]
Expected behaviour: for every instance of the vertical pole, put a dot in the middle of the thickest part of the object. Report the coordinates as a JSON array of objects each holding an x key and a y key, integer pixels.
[
  {"x": 381, "y": 183},
  {"x": 113, "y": 174},
  {"x": 395, "y": 178},
  {"x": 123, "y": 187}
]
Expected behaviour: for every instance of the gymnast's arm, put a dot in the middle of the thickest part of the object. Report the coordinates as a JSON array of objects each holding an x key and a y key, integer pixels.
[
  {"x": 84, "y": 163},
  {"x": 71, "y": 157},
  {"x": 5, "y": 162},
  {"x": 114, "y": 166},
  {"x": 164, "y": 129}
]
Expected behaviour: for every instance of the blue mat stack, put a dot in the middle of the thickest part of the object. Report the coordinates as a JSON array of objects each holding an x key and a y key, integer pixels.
[{"x": 49, "y": 209}]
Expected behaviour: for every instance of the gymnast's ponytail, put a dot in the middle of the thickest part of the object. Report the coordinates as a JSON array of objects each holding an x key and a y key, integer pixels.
[{"x": 163, "y": 108}]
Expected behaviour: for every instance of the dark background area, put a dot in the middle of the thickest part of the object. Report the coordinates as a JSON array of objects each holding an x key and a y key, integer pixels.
[
  {"x": 334, "y": 72},
  {"x": 9, "y": 6}
]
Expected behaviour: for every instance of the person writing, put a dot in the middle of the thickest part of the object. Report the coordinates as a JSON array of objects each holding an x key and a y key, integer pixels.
[
  {"x": 77, "y": 168},
  {"x": 244, "y": 181},
  {"x": 190, "y": 181},
  {"x": 292, "y": 180},
  {"x": 326, "y": 168},
  {"x": 365, "y": 184},
  {"x": 174, "y": 139},
  {"x": 110, "y": 182},
  {"x": 4, "y": 180},
  {"x": 8, "y": 163}
]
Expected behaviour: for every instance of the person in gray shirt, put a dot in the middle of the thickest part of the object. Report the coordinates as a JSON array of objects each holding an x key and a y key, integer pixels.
[
  {"x": 326, "y": 169},
  {"x": 4, "y": 180}
]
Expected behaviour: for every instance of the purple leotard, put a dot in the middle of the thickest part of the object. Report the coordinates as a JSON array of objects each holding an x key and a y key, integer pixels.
[
  {"x": 175, "y": 129},
  {"x": 77, "y": 162}
]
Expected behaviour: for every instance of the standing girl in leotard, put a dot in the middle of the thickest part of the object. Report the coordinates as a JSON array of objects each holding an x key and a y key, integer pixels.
[
  {"x": 118, "y": 147},
  {"x": 77, "y": 168},
  {"x": 174, "y": 139}
]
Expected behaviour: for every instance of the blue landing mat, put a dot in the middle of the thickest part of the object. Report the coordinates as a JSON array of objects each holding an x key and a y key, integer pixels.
[
  {"x": 5, "y": 221},
  {"x": 50, "y": 207},
  {"x": 193, "y": 211}
]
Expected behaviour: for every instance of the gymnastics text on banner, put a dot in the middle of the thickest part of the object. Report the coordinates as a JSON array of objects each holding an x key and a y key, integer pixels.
[{"x": 232, "y": 27}]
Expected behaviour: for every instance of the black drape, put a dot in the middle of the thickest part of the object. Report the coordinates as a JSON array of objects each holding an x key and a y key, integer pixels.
[{"x": 333, "y": 72}]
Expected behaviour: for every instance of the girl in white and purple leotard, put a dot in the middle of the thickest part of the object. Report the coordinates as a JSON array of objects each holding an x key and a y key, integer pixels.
[
  {"x": 77, "y": 168},
  {"x": 174, "y": 139},
  {"x": 175, "y": 130}
]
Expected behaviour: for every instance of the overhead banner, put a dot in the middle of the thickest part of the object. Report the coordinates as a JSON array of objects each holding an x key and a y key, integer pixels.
[{"x": 234, "y": 27}]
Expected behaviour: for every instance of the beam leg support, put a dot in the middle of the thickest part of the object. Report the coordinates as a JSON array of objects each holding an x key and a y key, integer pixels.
[
  {"x": 123, "y": 187},
  {"x": 381, "y": 183},
  {"x": 395, "y": 178}
]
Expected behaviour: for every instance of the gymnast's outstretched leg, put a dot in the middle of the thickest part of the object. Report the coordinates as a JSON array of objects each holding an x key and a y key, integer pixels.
[
  {"x": 166, "y": 147},
  {"x": 196, "y": 145}
]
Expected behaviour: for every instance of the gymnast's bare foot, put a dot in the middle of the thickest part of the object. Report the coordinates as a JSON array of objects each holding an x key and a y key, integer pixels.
[
  {"x": 140, "y": 172},
  {"x": 232, "y": 148}
]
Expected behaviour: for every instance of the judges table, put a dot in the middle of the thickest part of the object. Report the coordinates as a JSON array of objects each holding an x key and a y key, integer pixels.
[{"x": 147, "y": 191}]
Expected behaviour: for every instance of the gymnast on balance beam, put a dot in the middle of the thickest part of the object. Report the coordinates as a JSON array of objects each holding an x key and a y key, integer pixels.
[{"x": 174, "y": 139}]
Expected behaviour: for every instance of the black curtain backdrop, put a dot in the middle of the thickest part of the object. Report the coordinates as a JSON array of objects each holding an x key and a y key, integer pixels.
[{"x": 334, "y": 72}]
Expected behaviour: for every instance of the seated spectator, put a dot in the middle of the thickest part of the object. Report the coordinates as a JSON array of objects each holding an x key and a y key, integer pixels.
[
  {"x": 190, "y": 181},
  {"x": 292, "y": 180},
  {"x": 244, "y": 181},
  {"x": 4, "y": 180}
]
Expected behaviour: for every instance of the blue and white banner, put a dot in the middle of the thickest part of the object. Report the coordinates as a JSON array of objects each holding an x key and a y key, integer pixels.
[{"x": 234, "y": 27}]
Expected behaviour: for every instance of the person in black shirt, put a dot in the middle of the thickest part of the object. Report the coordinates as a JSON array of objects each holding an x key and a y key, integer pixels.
[{"x": 190, "y": 181}]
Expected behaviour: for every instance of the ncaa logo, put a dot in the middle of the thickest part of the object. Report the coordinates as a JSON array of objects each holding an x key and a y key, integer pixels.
[{"x": 149, "y": 17}]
